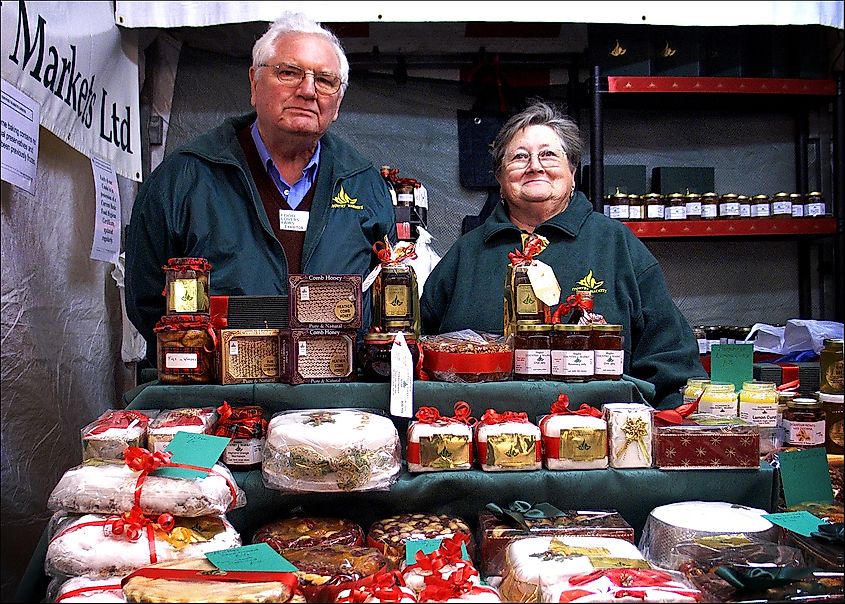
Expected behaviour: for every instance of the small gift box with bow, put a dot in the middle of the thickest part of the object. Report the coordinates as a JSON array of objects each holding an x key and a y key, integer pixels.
[
  {"x": 508, "y": 441},
  {"x": 438, "y": 442},
  {"x": 629, "y": 428},
  {"x": 500, "y": 526},
  {"x": 574, "y": 440}
]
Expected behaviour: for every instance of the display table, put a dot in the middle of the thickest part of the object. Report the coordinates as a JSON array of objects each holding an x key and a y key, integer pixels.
[{"x": 633, "y": 492}]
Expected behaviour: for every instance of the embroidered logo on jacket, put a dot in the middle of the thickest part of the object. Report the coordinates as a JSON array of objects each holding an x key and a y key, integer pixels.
[
  {"x": 589, "y": 283},
  {"x": 342, "y": 200}
]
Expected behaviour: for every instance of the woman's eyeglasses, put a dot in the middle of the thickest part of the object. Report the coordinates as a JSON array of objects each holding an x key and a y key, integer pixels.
[
  {"x": 291, "y": 76},
  {"x": 548, "y": 158}
]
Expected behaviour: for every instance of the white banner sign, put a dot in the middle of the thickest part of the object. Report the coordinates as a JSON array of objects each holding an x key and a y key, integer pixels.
[
  {"x": 72, "y": 59},
  {"x": 202, "y": 13}
]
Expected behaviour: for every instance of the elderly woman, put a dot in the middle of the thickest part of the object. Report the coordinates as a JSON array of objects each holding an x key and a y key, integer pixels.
[{"x": 535, "y": 156}]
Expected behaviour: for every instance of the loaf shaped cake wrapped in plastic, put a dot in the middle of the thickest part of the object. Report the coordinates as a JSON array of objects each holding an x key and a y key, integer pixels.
[
  {"x": 622, "y": 585},
  {"x": 99, "y": 546},
  {"x": 81, "y": 590},
  {"x": 437, "y": 442},
  {"x": 108, "y": 436},
  {"x": 325, "y": 450},
  {"x": 508, "y": 441},
  {"x": 198, "y": 580},
  {"x": 109, "y": 488},
  {"x": 308, "y": 531}
]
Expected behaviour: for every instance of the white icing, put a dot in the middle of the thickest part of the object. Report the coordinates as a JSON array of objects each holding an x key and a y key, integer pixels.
[
  {"x": 712, "y": 516},
  {"x": 552, "y": 427},
  {"x": 98, "y": 595}
]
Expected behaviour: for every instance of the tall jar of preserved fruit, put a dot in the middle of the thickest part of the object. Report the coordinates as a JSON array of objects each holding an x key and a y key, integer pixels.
[
  {"x": 186, "y": 285},
  {"x": 185, "y": 349},
  {"x": 607, "y": 343},
  {"x": 719, "y": 399},
  {"x": 709, "y": 206},
  {"x": 781, "y": 205},
  {"x": 573, "y": 359},
  {"x": 804, "y": 423},
  {"x": 395, "y": 298},
  {"x": 532, "y": 356}
]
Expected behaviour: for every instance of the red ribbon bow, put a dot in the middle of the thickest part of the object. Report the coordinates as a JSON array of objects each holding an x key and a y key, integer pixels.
[
  {"x": 491, "y": 416},
  {"x": 571, "y": 303},
  {"x": 240, "y": 422},
  {"x": 387, "y": 254},
  {"x": 431, "y": 415},
  {"x": 676, "y": 415},
  {"x": 119, "y": 418},
  {"x": 132, "y": 523},
  {"x": 561, "y": 407},
  {"x": 142, "y": 460},
  {"x": 386, "y": 586}
]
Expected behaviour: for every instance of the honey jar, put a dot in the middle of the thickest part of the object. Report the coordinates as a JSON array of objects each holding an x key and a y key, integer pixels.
[
  {"x": 804, "y": 423},
  {"x": 655, "y": 206},
  {"x": 692, "y": 202},
  {"x": 797, "y": 201},
  {"x": 831, "y": 367},
  {"x": 636, "y": 207},
  {"x": 814, "y": 205},
  {"x": 676, "y": 207},
  {"x": 744, "y": 206},
  {"x": 834, "y": 439},
  {"x": 617, "y": 205}
]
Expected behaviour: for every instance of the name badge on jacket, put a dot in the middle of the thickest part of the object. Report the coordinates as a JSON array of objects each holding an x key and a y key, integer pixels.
[{"x": 293, "y": 220}]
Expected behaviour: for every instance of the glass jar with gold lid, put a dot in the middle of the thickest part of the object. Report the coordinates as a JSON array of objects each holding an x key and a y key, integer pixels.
[
  {"x": 636, "y": 207},
  {"x": 781, "y": 205},
  {"x": 655, "y": 206},
  {"x": 608, "y": 344},
  {"x": 814, "y": 205},
  {"x": 694, "y": 389},
  {"x": 532, "y": 351},
  {"x": 797, "y": 201},
  {"x": 617, "y": 205},
  {"x": 676, "y": 207},
  {"x": 709, "y": 206},
  {"x": 744, "y": 206},
  {"x": 804, "y": 423},
  {"x": 718, "y": 399},
  {"x": 573, "y": 359},
  {"x": 729, "y": 206},
  {"x": 831, "y": 366},
  {"x": 692, "y": 203},
  {"x": 758, "y": 403},
  {"x": 761, "y": 206}
]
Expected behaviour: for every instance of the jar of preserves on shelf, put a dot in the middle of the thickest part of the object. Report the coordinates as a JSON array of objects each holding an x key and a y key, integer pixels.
[
  {"x": 729, "y": 206},
  {"x": 636, "y": 207},
  {"x": 781, "y": 205},
  {"x": 573, "y": 359},
  {"x": 804, "y": 423},
  {"x": 797, "y": 201},
  {"x": 607, "y": 343},
  {"x": 758, "y": 403},
  {"x": 532, "y": 356},
  {"x": 694, "y": 389},
  {"x": 761, "y": 206},
  {"x": 655, "y": 206},
  {"x": 375, "y": 355},
  {"x": 186, "y": 285},
  {"x": 831, "y": 367},
  {"x": 783, "y": 401},
  {"x": 692, "y": 204},
  {"x": 814, "y": 205},
  {"x": 246, "y": 428},
  {"x": 744, "y": 206},
  {"x": 709, "y": 206},
  {"x": 185, "y": 346},
  {"x": 832, "y": 405},
  {"x": 676, "y": 207},
  {"x": 617, "y": 205},
  {"x": 718, "y": 399}
]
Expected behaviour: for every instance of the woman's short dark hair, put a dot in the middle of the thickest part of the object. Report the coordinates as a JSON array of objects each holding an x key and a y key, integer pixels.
[{"x": 540, "y": 113}]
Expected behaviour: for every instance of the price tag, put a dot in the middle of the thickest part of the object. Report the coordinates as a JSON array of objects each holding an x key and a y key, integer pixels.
[{"x": 401, "y": 378}]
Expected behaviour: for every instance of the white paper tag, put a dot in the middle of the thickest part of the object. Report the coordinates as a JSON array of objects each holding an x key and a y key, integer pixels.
[
  {"x": 303, "y": 348},
  {"x": 370, "y": 278},
  {"x": 293, "y": 220},
  {"x": 233, "y": 348},
  {"x": 420, "y": 197},
  {"x": 544, "y": 282},
  {"x": 401, "y": 378},
  {"x": 304, "y": 293}
]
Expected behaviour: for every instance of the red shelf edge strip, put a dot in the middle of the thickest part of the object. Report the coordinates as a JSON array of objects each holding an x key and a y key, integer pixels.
[
  {"x": 732, "y": 228},
  {"x": 721, "y": 85}
]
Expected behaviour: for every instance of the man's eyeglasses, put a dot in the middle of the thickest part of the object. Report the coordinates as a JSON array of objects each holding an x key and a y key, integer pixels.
[
  {"x": 291, "y": 76},
  {"x": 548, "y": 158}
]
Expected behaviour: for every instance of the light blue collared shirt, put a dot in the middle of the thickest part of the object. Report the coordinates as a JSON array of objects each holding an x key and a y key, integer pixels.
[{"x": 292, "y": 194}]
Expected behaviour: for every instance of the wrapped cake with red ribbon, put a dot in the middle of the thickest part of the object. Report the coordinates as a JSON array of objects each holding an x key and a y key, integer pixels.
[
  {"x": 442, "y": 563},
  {"x": 98, "y": 545},
  {"x": 107, "y": 436},
  {"x": 387, "y": 586},
  {"x": 390, "y": 534},
  {"x": 118, "y": 488},
  {"x": 574, "y": 440},
  {"x": 164, "y": 427},
  {"x": 623, "y": 585},
  {"x": 439, "y": 442},
  {"x": 508, "y": 441}
]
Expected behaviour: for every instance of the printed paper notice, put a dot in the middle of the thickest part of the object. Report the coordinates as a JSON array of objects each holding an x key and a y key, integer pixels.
[
  {"x": 106, "y": 244},
  {"x": 19, "y": 138}
]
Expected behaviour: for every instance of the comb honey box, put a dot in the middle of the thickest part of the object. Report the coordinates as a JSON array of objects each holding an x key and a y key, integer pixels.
[{"x": 325, "y": 301}]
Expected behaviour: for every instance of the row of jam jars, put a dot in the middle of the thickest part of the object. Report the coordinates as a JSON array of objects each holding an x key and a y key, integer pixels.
[
  {"x": 185, "y": 339},
  {"x": 711, "y": 206},
  {"x": 567, "y": 352}
]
